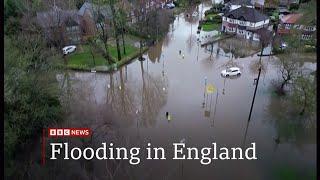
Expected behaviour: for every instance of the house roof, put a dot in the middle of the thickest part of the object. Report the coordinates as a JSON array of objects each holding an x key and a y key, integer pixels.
[
  {"x": 92, "y": 8},
  {"x": 291, "y": 18},
  {"x": 240, "y": 2},
  {"x": 247, "y": 14},
  {"x": 288, "y": 2},
  {"x": 56, "y": 17},
  {"x": 283, "y": 10}
]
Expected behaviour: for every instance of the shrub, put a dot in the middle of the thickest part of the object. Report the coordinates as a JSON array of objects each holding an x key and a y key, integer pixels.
[
  {"x": 294, "y": 7},
  {"x": 309, "y": 48}
]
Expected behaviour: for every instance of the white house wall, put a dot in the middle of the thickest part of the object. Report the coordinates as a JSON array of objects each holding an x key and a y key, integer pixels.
[
  {"x": 233, "y": 7},
  {"x": 243, "y": 33},
  {"x": 245, "y": 23}
]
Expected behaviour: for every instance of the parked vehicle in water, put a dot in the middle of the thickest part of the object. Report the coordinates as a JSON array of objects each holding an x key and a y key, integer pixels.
[
  {"x": 69, "y": 49},
  {"x": 233, "y": 71}
]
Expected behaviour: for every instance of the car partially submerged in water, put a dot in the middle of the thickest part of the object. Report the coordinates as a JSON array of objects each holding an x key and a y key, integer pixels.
[{"x": 233, "y": 71}]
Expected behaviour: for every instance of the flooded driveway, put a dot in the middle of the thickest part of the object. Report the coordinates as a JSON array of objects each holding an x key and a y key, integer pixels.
[{"x": 132, "y": 103}]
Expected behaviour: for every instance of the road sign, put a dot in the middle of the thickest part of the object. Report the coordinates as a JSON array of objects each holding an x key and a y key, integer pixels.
[{"x": 210, "y": 89}]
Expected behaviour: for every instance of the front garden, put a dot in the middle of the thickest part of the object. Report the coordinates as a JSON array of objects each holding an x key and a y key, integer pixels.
[
  {"x": 212, "y": 20},
  {"x": 294, "y": 42},
  {"x": 89, "y": 58}
]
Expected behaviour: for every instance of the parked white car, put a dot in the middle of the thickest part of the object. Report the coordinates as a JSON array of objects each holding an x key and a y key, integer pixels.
[
  {"x": 194, "y": 14},
  {"x": 233, "y": 71},
  {"x": 283, "y": 45},
  {"x": 170, "y": 5},
  {"x": 68, "y": 49}
]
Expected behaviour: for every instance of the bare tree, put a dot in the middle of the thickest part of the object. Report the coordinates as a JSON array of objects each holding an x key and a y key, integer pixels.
[
  {"x": 288, "y": 69},
  {"x": 100, "y": 22},
  {"x": 122, "y": 17},
  {"x": 115, "y": 22}
]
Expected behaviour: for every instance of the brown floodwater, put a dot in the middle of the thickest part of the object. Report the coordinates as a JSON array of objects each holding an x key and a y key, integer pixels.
[{"x": 128, "y": 107}]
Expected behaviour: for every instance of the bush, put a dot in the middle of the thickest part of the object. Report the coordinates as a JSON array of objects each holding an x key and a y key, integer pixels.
[
  {"x": 294, "y": 7},
  {"x": 31, "y": 95},
  {"x": 212, "y": 21},
  {"x": 309, "y": 48},
  {"x": 217, "y": 8},
  {"x": 277, "y": 50}
]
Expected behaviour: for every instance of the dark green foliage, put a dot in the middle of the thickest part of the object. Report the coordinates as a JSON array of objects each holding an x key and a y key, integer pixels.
[
  {"x": 30, "y": 95},
  {"x": 212, "y": 21},
  {"x": 11, "y": 8},
  {"x": 79, "y": 3},
  {"x": 304, "y": 94},
  {"x": 294, "y": 7},
  {"x": 216, "y": 8}
]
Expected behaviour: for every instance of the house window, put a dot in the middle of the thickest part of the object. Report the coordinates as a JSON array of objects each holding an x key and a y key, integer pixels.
[
  {"x": 232, "y": 21},
  {"x": 306, "y": 36},
  {"x": 230, "y": 29},
  {"x": 309, "y": 28},
  {"x": 242, "y": 23}
]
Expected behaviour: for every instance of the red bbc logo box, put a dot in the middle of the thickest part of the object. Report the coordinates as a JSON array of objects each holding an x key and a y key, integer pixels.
[{"x": 69, "y": 132}]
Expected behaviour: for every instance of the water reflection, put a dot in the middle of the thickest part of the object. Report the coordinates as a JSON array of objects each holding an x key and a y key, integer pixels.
[
  {"x": 239, "y": 47},
  {"x": 120, "y": 98},
  {"x": 153, "y": 97},
  {"x": 290, "y": 128},
  {"x": 154, "y": 52}
]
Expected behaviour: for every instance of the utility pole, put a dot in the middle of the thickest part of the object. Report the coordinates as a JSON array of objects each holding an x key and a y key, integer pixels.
[
  {"x": 254, "y": 95},
  {"x": 257, "y": 81}
]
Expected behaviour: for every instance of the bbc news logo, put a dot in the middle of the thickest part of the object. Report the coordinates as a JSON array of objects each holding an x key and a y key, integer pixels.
[{"x": 69, "y": 132}]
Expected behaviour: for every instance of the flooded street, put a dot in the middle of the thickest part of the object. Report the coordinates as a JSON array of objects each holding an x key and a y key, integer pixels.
[{"x": 132, "y": 103}]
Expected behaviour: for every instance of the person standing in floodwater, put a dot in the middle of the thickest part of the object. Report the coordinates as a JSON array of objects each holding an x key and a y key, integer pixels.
[
  {"x": 168, "y": 116},
  {"x": 179, "y": 52}
]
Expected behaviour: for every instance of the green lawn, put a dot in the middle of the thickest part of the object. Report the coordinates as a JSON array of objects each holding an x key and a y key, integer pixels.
[
  {"x": 209, "y": 16},
  {"x": 129, "y": 51},
  {"x": 210, "y": 27},
  {"x": 82, "y": 58}
]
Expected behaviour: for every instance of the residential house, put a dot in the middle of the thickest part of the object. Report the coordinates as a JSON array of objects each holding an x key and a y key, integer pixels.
[
  {"x": 265, "y": 4},
  {"x": 290, "y": 22},
  {"x": 144, "y": 7},
  {"x": 287, "y": 3},
  {"x": 235, "y": 4},
  {"x": 94, "y": 18},
  {"x": 244, "y": 22},
  {"x": 61, "y": 27},
  {"x": 283, "y": 11}
]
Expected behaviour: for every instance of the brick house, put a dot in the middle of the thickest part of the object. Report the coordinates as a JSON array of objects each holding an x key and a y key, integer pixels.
[
  {"x": 94, "y": 18},
  {"x": 290, "y": 22}
]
